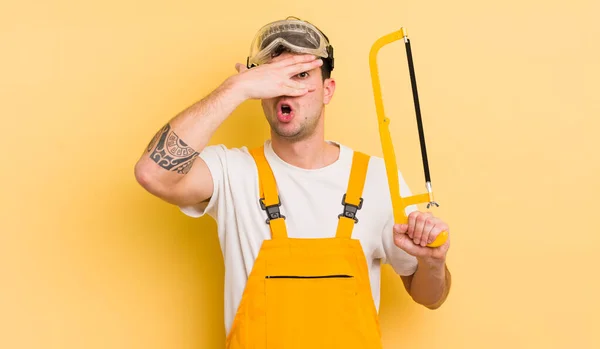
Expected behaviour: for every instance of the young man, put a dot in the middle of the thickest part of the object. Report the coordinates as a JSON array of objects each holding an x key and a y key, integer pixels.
[{"x": 304, "y": 223}]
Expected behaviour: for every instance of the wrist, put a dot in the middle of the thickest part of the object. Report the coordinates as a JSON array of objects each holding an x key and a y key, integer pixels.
[
  {"x": 431, "y": 263},
  {"x": 235, "y": 88}
]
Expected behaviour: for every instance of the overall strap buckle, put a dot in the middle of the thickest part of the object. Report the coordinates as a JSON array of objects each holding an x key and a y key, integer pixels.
[
  {"x": 350, "y": 210},
  {"x": 273, "y": 211}
]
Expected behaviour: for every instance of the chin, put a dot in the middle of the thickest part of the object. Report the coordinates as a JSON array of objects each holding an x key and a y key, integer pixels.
[
  {"x": 290, "y": 134},
  {"x": 287, "y": 131},
  {"x": 292, "y": 131}
]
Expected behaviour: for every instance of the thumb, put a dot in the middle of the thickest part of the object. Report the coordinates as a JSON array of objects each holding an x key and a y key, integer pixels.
[
  {"x": 240, "y": 67},
  {"x": 400, "y": 228},
  {"x": 404, "y": 242}
]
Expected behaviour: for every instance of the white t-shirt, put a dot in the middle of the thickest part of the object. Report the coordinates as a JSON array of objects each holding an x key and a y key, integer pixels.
[{"x": 311, "y": 202}]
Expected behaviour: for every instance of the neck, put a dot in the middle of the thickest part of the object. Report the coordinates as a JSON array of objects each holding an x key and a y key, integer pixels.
[{"x": 310, "y": 153}]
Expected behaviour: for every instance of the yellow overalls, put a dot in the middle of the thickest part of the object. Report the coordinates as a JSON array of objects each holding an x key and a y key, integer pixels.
[{"x": 308, "y": 293}]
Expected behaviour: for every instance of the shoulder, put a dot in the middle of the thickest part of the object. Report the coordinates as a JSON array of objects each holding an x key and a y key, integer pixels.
[
  {"x": 223, "y": 150},
  {"x": 376, "y": 167},
  {"x": 377, "y": 177},
  {"x": 376, "y": 182},
  {"x": 230, "y": 157}
]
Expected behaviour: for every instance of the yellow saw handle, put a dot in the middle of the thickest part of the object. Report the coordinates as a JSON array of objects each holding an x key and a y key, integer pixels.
[{"x": 399, "y": 203}]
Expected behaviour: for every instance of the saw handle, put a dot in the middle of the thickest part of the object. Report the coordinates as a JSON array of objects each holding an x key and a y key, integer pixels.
[
  {"x": 439, "y": 240},
  {"x": 399, "y": 205}
]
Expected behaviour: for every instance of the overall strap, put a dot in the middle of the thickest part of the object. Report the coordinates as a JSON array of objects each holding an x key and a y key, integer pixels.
[
  {"x": 269, "y": 198},
  {"x": 352, "y": 200}
]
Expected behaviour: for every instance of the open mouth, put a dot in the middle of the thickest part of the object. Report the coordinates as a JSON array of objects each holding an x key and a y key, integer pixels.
[{"x": 285, "y": 112}]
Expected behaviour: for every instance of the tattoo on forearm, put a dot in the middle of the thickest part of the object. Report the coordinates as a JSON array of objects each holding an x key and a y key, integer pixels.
[{"x": 170, "y": 152}]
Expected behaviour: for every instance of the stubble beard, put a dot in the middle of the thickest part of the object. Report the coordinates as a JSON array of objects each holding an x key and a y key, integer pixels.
[{"x": 303, "y": 130}]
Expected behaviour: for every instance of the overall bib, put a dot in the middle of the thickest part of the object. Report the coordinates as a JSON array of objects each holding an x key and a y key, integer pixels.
[{"x": 308, "y": 293}]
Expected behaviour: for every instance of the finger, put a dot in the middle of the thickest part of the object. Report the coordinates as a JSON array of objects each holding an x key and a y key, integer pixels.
[
  {"x": 411, "y": 222},
  {"x": 437, "y": 230},
  {"x": 433, "y": 234},
  {"x": 427, "y": 231},
  {"x": 404, "y": 242},
  {"x": 419, "y": 224},
  {"x": 300, "y": 85},
  {"x": 400, "y": 228},
  {"x": 295, "y": 59},
  {"x": 294, "y": 84},
  {"x": 240, "y": 67},
  {"x": 295, "y": 92},
  {"x": 303, "y": 67}
]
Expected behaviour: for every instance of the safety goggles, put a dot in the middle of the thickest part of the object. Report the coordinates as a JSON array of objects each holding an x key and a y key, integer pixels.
[{"x": 296, "y": 35}]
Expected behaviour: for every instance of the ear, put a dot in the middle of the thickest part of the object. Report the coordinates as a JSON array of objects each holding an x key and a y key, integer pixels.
[{"x": 328, "y": 90}]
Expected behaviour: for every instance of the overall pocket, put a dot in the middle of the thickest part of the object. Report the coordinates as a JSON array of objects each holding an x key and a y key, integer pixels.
[
  {"x": 338, "y": 276},
  {"x": 315, "y": 311}
]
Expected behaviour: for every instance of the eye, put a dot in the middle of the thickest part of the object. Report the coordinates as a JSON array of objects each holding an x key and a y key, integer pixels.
[{"x": 303, "y": 75}]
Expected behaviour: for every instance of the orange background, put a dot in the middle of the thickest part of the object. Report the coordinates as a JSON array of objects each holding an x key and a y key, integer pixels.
[{"x": 508, "y": 91}]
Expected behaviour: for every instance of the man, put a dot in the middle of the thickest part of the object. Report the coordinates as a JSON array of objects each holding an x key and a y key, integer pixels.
[{"x": 304, "y": 223}]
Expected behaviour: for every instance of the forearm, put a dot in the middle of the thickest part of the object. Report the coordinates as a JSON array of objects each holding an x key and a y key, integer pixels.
[
  {"x": 430, "y": 284},
  {"x": 174, "y": 147},
  {"x": 196, "y": 124}
]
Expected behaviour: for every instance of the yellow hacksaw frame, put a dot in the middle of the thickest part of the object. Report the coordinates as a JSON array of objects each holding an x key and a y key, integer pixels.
[{"x": 400, "y": 203}]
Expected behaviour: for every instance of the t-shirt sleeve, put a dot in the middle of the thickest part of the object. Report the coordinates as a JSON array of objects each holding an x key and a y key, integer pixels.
[
  {"x": 403, "y": 263},
  {"x": 215, "y": 157}
]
